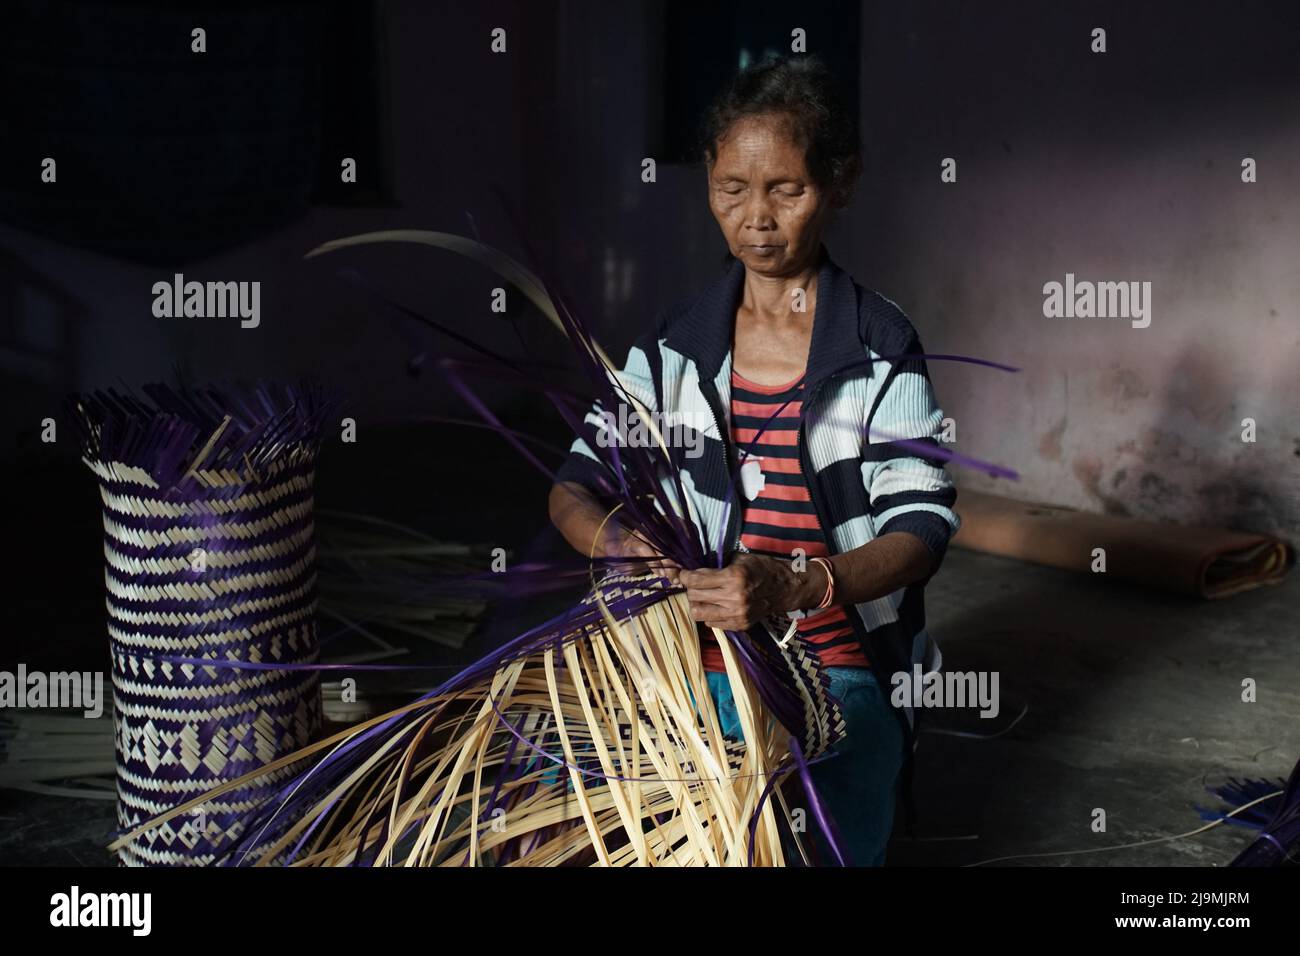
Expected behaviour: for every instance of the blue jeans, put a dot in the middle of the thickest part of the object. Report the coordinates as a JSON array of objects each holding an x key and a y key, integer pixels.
[{"x": 857, "y": 786}]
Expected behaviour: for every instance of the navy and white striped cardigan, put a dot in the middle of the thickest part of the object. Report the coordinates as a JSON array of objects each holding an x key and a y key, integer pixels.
[{"x": 862, "y": 484}]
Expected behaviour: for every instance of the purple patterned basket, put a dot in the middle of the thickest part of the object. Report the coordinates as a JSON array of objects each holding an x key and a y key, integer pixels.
[{"x": 209, "y": 550}]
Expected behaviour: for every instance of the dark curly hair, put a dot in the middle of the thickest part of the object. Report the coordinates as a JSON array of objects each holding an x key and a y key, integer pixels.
[{"x": 802, "y": 88}]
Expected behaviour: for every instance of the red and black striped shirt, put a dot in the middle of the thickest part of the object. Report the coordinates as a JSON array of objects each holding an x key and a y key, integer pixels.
[{"x": 781, "y": 518}]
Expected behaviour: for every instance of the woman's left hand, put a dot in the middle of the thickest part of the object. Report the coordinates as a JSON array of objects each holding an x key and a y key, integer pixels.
[{"x": 752, "y": 588}]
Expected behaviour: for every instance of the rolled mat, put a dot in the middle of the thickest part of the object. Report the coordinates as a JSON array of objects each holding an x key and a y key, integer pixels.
[
  {"x": 209, "y": 554},
  {"x": 1206, "y": 562}
]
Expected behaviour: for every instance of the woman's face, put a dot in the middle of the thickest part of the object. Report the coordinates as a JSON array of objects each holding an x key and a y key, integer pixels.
[{"x": 767, "y": 205}]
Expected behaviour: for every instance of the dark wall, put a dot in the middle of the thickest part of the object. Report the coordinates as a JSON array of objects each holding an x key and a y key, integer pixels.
[{"x": 1115, "y": 166}]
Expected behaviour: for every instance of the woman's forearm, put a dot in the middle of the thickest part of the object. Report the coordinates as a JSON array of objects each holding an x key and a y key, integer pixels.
[
  {"x": 879, "y": 567},
  {"x": 596, "y": 532},
  {"x": 578, "y": 516}
]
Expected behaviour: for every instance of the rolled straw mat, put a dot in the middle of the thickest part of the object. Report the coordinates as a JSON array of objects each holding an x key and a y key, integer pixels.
[{"x": 1206, "y": 562}]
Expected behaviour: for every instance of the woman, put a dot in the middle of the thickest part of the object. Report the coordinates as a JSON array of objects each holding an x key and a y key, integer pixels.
[{"x": 827, "y": 521}]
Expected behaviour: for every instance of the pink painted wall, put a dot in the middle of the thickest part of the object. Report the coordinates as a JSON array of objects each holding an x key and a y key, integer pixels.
[{"x": 1111, "y": 170}]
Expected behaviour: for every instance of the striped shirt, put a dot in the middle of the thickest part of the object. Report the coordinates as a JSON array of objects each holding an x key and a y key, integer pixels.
[{"x": 781, "y": 518}]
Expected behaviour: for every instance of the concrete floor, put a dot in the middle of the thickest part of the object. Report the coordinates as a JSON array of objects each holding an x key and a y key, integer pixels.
[{"x": 1134, "y": 705}]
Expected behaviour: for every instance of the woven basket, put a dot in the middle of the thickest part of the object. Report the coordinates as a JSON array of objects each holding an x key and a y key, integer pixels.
[{"x": 209, "y": 555}]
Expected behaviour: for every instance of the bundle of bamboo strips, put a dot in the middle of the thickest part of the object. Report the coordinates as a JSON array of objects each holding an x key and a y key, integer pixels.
[
  {"x": 58, "y": 754},
  {"x": 601, "y": 747},
  {"x": 381, "y": 579}
]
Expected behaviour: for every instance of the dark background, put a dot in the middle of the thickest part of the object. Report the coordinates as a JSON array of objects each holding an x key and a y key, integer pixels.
[
  {"x": 1117, "y": 166},
  {"x": 224, "y": 166}
]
